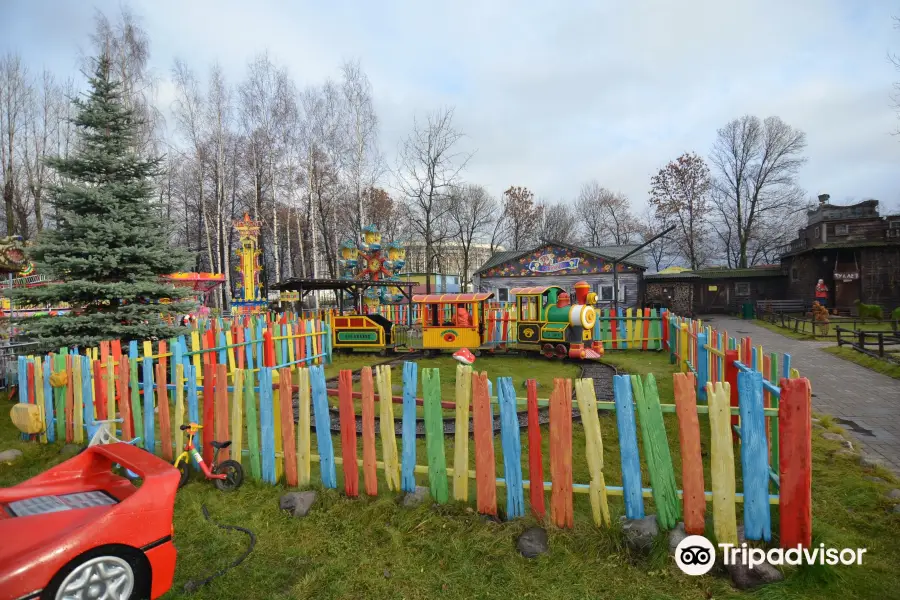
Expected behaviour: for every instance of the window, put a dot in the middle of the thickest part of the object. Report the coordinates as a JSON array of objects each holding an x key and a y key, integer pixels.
[
  {"x": 503, "y": 294},
  {"x": 742, "y": 288},
  {"x": 895, "y": 224},
  {"x": 605, "y": 293},
  {"x": 795, "y": 274},
  {"x": 841, "y": 229},
  {"x": 817, "y": 233}
]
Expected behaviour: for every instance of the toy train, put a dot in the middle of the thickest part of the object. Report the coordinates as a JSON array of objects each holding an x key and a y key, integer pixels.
[{"x": 545, "y": 321}]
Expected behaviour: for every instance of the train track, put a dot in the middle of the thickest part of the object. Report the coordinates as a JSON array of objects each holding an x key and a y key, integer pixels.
[{"x": 600, "y": 372}]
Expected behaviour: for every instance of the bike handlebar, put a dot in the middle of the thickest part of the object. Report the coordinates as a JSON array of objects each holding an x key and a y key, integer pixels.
[{"x": 190, "y": 426}]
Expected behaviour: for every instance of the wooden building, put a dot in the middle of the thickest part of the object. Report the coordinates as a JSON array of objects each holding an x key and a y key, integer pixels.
[
  {"x": 854, "y": 249},
  {"x": 561, "y": 264},
  {"x": 716, "y": 290}
]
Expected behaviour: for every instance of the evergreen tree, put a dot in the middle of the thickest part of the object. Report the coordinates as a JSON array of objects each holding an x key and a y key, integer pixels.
[{"x": 109, "y": 247}]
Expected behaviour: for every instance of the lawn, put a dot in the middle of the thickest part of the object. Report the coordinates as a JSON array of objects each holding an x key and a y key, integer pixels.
[
  {"x": 870, "y": 362},
  {"x": 805, "y": 331},
  {"x": 374, "y": 548}
]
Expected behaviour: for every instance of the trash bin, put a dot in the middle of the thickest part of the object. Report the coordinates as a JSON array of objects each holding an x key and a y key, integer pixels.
[{"x": 747, "y": 311}]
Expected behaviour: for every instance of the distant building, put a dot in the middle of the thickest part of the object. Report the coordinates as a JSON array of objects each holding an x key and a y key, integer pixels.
[
  {"x": 562, "y": 264},
  {"x": 440, "y": 283},
  {"x": 448, "y": 258},
  {"x": 853, "y": 249},
  {"x": 715, "y": 290}
]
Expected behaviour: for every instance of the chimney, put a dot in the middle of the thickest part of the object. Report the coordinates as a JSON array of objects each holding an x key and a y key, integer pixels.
[{"x": 823, "y": 198}]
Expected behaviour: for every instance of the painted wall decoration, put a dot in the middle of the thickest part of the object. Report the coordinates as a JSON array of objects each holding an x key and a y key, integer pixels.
[{"x": 552, "y": 259}]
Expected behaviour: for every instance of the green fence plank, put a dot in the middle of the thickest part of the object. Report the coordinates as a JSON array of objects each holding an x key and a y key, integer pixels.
[
  {"x": 434, "y": 435},
  {"x": 656, "y": 450},
  {"x": 252, "y": 426}
]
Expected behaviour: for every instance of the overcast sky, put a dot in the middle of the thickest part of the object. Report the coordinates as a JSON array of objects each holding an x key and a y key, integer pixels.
[{"x": 552, "y": 94}]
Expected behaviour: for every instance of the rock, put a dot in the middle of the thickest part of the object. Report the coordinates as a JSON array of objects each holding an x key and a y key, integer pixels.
[
  {"x": 745, "y": 578},
  {"x": 415, "y": 498},
  {"x": 835, "y": 437},
  {"x": 897, "y": 508},
  {"x": 847, "y": 444},
  {"x": 533, "y": 542},
  {"x": 874, "y": 479},
  {"x": 893, "y": 494},
  {"x": 867, "y": 461},
  {"x": 387, "y": 574},
  {"x": 8, "y": 456},
  {"x": 298, "y": 503},
  {"x": 71, "y": 449},
  {"x": 675, "y": 536},
  {"x": 817, "y": 426},
  {"x": 815, "y": 420},
  {"x": 640, "y": 533}
]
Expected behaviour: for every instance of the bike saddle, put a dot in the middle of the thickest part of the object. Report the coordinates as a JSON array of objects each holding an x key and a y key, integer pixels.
[{"x": 220, "y": 445}]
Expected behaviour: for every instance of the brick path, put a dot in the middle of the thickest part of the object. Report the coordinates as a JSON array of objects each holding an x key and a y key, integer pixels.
[{"x": 865, "y": 403}]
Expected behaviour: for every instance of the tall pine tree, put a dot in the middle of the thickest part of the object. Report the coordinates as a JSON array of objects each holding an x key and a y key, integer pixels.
[{"x": 110, "y": 245}]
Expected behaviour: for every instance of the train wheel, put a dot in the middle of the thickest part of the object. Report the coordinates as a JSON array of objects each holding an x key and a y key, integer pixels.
[
  {"x": 547, "y": 351},
  {"x": 561, "y": 351}
]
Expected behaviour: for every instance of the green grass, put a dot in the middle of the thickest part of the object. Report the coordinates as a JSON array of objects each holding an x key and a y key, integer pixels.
[
  {"x": 373, "y": 548},
  {"x": 805, "y": 334},
  {"x": 870, "y": 362}
]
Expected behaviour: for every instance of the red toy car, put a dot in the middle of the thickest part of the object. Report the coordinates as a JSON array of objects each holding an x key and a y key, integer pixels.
[{"x": 80, "y": 531}]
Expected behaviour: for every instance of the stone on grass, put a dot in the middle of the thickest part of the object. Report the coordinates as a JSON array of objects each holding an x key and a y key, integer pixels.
[
  {"x": 640, "y": 533},
  {"x": 533, "y": 542},
  {"x": 868, "y": 461},
  {"x": 834, "y": 437},
  {"x": 745, "y": 578},
  {"x": 8, "y": 456},
  {"x": 874, "y": 479},
  {"x": 897, "y": 508},
  {"x": 893, "y": 494},
  {"x": 815, "y": 420},
  {"x": 675, "y": 536},
  {"x": 70, "y": 449},
  {"x": 415, "y": 498},
  {"x": 847, "y": 444},
  {"x": 817, "y": 426},
  {"x": 298, "y": 503}
]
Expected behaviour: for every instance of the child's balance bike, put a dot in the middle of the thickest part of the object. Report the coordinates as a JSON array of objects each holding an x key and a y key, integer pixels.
[{"x": 227, "y": 475}]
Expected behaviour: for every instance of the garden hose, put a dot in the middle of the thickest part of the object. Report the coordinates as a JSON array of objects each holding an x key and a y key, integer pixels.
[{"x": 193, "y": 585}]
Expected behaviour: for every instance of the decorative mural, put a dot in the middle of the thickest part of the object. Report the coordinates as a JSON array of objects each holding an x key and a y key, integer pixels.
[{"x": 552, "y": 259}]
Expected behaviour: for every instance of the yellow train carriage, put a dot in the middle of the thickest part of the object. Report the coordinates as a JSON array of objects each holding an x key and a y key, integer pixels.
[{"x": 452, "y": 321}]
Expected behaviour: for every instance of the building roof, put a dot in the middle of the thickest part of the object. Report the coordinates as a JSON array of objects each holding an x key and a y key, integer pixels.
[
  {"x": 844, "y": 245},
  {"x": 610, "y": 253},
  {"x": 718, "y": 273},
  {"x": 451, "y": 298}
]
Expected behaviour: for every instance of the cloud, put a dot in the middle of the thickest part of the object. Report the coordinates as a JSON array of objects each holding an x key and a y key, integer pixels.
[{"x": 554, "y": 94}]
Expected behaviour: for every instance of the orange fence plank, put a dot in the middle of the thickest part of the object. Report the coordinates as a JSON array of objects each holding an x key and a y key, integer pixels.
[
  {"x": 348, "y": 433},
  {"x": 561, "y": 453},
  {"x": 288, "y": 439},
  {"x": 370, "y": 457},
  {"x": 165, "y": 423},
  {"x": 694, "y": 499},
  {"x": 535, "y": 460},
  {"x": 795, "y": 436},
  {"x": 208, "y": 416},
  {"x": 485, "y": 467},
  {"x": 222, "y": 409}
]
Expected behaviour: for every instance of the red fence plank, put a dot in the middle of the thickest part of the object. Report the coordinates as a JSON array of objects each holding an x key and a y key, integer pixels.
[
  {"x": 222, "y": 409},
  {"x": 165, "y": 423},
  {"x": 485, "y": 469},
  {"x": 99, "y": 392},
  {"x": 348, "y": 433},
  {"x": 370, "y": 457},
  {"x": 795, "y": 463},
  {"x": 731, "y": 376},
  {"x": 209, "y": 381},
  {"x": 535, "y": 460}
]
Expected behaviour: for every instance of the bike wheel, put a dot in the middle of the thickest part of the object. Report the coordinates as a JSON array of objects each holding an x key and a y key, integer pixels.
[
  {"x": 234, "y": 475},
  {"x": 183, "y": 470}
]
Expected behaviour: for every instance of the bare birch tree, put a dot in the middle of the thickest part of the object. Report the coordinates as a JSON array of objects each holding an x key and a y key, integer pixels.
[
  {"x": 756, "y": 165},
  {"x": 473, "y": 212},
  {"x": 606, "y": 216},
  {"x": 429, "y": 165}
]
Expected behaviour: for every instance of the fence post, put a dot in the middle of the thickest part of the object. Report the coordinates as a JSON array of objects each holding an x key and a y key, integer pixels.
[
  {"x": 702, "y": 366},
  {"x": 795, "y": 464},
  {"x": 683, "y": 348},
  {"x": 671, "y": 339},
  {"x": 731, "y": 376},
  {"x": 881, "y": 344}
]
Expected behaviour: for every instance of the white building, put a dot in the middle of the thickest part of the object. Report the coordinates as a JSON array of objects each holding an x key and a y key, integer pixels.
[{"x": 449, "y": 259}]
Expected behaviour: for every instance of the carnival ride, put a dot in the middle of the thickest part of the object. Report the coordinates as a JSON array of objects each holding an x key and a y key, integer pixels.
[
  {"x": 369, "y": 261},
  {"x": 248, "y": 297}
]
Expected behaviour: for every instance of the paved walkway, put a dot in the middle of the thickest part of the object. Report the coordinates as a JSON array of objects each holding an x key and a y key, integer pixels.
[{"x": 865, "y": 403}]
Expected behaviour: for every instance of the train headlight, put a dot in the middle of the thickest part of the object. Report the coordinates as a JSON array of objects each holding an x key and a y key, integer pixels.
[{"x": 581, "y": 315}]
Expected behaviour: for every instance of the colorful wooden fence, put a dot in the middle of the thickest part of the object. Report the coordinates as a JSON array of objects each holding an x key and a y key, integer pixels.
[{"x": 254, "y": 407}]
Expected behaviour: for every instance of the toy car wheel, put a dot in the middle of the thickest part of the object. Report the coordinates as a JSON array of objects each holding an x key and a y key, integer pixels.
[
  {"x": 183, "y": 470},
  {"x": 234, "y": 475},
  {"x": 117, "y": 573}
]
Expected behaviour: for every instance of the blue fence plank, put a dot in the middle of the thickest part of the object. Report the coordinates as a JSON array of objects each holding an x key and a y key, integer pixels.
[
  {"x": 223, "y": 353},
  {"x": 149, "y": 441},
  {"x": 786, "y": 366},
  {"x": 267, "y": 425},
  {"x": 628, "y": 447},
  {"x": 87, "y": 393},
  {"x": 754, "y": 457},
  {"x": 408, "y": 455},
  {"x": 323, "y": 426},
  {"x": 512, "y": 448},
  {"x": 702, "y": 366}
]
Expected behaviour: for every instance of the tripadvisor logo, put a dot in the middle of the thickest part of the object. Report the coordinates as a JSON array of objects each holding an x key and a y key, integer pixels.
[{"x": 696, "y": 555}]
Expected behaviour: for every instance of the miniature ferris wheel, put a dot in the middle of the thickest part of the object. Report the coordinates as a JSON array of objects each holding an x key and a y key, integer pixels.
[{"x": 370, "y": 261}]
